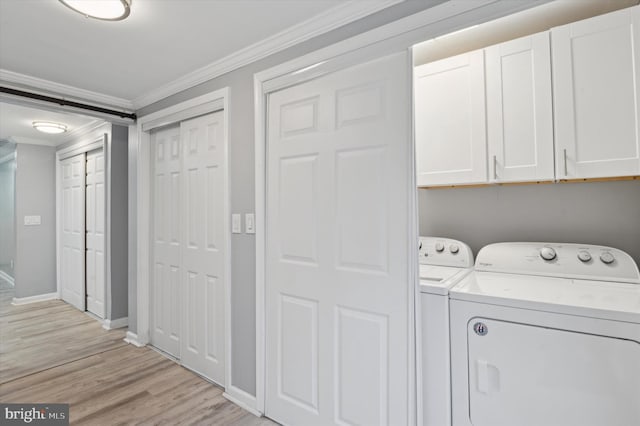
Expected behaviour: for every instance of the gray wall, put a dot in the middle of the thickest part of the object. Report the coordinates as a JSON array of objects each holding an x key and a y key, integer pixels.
[
  {"x": 7, "y": 216},
  {"x": 604, "y": 213},
  {"x": 241, "y": 138},
  {"x": 35, "y": 266},
  {"x": 241, "y": 155},
  {"x": 118, "y": 228}
]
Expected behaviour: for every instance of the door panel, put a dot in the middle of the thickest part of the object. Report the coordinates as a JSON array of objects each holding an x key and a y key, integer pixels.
[
  {"x": 451, "y": 142},
  {"x": 166, "y": 289},
  {"x": 73, "y": 231},
  {"x": 519, "y": 110},
  {"x": 338, "y": 188},
  {"x": 518, "y": 374},
  {"x": 95, "y": 227},
  {"x": 203, "y": 273},
  {"x": 596, "y": 90}
]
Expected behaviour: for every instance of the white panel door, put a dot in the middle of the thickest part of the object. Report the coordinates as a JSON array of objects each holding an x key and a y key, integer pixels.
[
  {"x": 529, "y": 376},
  {"x": 73, "y": 231},
  {"x": 165, "y": 288},
  {"x": 95, "y": 227},
  {"x": 450, "y": 114},
  {"x": 596, "y": 84},
  {"x": 337, "y": 290},
  {"x": 519, "y": 110},
  {"x": 203, "y": 248}
]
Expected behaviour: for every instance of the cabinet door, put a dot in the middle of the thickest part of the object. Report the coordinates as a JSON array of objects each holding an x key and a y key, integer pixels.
[
  {"x": 450, "y": 117},
  {"x": 596, "y": 92},
  {"x": 519, "y": 110}
]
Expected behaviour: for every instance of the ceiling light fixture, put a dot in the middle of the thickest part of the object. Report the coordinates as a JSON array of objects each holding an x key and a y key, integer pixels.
[
  {"x": 106, "y": 10},
  {"x": 48, "y": 127}
]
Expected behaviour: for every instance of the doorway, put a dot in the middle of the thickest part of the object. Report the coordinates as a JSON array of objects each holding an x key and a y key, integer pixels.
[
  {"x": 188, "y": 250},
  {"x": 83, "y": 211}
]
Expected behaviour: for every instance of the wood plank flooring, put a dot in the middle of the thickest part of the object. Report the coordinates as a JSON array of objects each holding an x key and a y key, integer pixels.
[{"x": 52, "y": 353}]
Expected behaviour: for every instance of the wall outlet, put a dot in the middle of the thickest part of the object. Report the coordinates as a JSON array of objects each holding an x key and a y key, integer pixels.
[
  {"x": 249, "y": 223},
  {"x": 236, "y": 223}
]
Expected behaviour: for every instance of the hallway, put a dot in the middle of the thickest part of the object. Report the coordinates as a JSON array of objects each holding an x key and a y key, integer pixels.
[{"x": 52, "y": 353}]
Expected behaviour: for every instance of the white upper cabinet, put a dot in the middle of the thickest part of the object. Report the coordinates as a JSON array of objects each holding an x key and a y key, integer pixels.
[
  {"x": 519, "y": 110},
  {"x": 596, "y": 92},
  {"x": 450, "y": 121}
]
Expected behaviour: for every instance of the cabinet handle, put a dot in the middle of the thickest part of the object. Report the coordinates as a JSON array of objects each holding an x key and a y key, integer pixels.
[
  {"x": 495, "y": 168},
  {"x": 566, "y": 173}
]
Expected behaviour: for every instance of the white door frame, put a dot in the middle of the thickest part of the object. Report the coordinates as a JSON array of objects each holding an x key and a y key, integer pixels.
[
  {"x": 97, "y": 139},
  {"x": 211, "y": 102}
]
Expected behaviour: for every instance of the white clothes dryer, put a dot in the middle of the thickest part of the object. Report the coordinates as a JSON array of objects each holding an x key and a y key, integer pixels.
[
  {"x": 547, "y": 335},
  {"x": 443, "y": 263}
]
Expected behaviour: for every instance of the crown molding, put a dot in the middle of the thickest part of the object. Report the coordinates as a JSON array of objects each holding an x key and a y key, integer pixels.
[
  {"x": 336, "y": 17},
  {"x": 12, "y": 77}
]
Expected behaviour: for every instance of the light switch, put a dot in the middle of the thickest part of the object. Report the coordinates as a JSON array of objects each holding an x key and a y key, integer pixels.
[
  {"x": 32, "y": 220},
  {"x": 236, "y": 223},
  {"x": 249, "y": 223}
]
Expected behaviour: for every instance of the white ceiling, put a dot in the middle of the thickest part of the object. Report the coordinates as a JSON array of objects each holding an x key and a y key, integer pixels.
[
  {"x": 16, "y": 124},
  {"x": 161, "y": 41}
]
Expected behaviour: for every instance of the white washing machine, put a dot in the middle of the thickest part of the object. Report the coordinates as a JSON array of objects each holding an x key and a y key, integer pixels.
[
  {"x": 443, "y": 263},
  {"x": 547, "y": 334}
]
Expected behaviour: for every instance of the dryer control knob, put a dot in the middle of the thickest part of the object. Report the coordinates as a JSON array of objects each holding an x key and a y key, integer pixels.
[
  {"x": 439, "y": 247},
  {"x": 584, "y": 256},
  {"x": 547, "y": 253},
  {"x": 453, "y": 248},
  {"x": 607, "y": 258}
]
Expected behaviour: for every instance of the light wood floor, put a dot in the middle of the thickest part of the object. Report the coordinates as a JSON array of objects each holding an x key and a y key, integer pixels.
[{"x": 52, "y": 353}]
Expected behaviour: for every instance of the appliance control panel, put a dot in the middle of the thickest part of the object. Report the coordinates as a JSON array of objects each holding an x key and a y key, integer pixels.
[
  {"x": 579, "y": 261},
  {"x": 445, "y": 252}
]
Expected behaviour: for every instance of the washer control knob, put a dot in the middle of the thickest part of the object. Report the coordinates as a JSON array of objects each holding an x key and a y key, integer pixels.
[
  {"x": 584, "y": 256},
  {"x": 547, "y": 253},
  {"x": 453, "y": 248},
  {"x": 439, "y": 247},
  {"x": 607, "y": 257}
]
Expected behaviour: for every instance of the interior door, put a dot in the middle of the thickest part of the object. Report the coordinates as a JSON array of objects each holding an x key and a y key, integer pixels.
[
  {"x": 528, "y": 375},
  {"x": 337, "y": 291},
  {"x": 95, "y": 226},
  {"x": 203, "y": 248},
  {"x": 165, "y": 288},
  {"x": 73, "y": 231}
]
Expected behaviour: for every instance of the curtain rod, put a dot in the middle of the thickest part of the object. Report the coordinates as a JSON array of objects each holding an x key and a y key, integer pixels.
[{"x": 65, "y": 102}]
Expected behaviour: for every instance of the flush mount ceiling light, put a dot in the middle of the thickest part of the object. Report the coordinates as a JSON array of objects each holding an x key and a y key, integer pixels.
[
  {"x": 106, "y": 10},
  {"x": 48, "y": 127}
]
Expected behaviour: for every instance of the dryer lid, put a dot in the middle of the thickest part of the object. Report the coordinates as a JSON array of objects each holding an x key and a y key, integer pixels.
[{"x": 598, "y": 299}]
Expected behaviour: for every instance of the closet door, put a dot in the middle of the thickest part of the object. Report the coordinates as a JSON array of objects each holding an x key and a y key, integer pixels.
[
  {"x": 95, "y": 229},
  {"x": 337, "y": 291},
  {"x": 203, "y": 248},
  {"x": 73, "y": 231},
  {"x": 165, "y": 288}
]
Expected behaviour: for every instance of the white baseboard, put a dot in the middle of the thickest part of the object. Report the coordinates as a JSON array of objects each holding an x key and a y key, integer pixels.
[
  {"x": 132, "y": 339},
  {"x": 108, "y": 324},
  {"x": 242, "y": 399},
  {"x": 33, "y": 299},
  {"x": 7, "y": 278}
]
